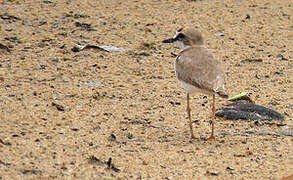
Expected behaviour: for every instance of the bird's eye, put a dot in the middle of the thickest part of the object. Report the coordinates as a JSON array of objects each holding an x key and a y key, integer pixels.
[{"x": 180, "y": 36}]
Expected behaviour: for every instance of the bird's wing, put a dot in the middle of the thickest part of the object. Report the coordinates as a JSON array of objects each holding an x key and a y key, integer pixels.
[{"x": 198, "y": 67}]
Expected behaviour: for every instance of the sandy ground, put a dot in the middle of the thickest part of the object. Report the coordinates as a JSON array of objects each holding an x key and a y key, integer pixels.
[{"x": 64, "y": 114}]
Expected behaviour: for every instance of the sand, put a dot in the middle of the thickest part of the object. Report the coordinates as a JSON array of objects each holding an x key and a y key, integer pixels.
[{"x": 64, "y": 114}]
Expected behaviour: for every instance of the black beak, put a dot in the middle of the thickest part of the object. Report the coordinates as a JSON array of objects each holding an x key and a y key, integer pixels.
[{"x": 171, "y": 40}]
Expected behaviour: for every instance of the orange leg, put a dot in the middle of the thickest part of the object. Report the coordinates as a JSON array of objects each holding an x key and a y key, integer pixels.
[
  {"x": 189, "y": 117},
  {"x": 212, "y": 137}
]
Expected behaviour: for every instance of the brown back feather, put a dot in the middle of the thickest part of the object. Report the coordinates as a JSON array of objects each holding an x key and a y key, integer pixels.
[{"x": 198, "y": 67}]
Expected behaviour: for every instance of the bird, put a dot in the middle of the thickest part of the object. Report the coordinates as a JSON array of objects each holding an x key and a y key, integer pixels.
[{"x": 197, "y": 70}]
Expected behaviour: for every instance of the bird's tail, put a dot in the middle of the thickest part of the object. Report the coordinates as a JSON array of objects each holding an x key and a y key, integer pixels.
[{"x": 222, "y": 94}]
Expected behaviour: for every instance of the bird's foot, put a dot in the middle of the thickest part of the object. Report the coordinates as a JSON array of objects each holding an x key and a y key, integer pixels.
[
  {"x": 193, "y": 137},
  {"x": 211, "y": 138}
]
